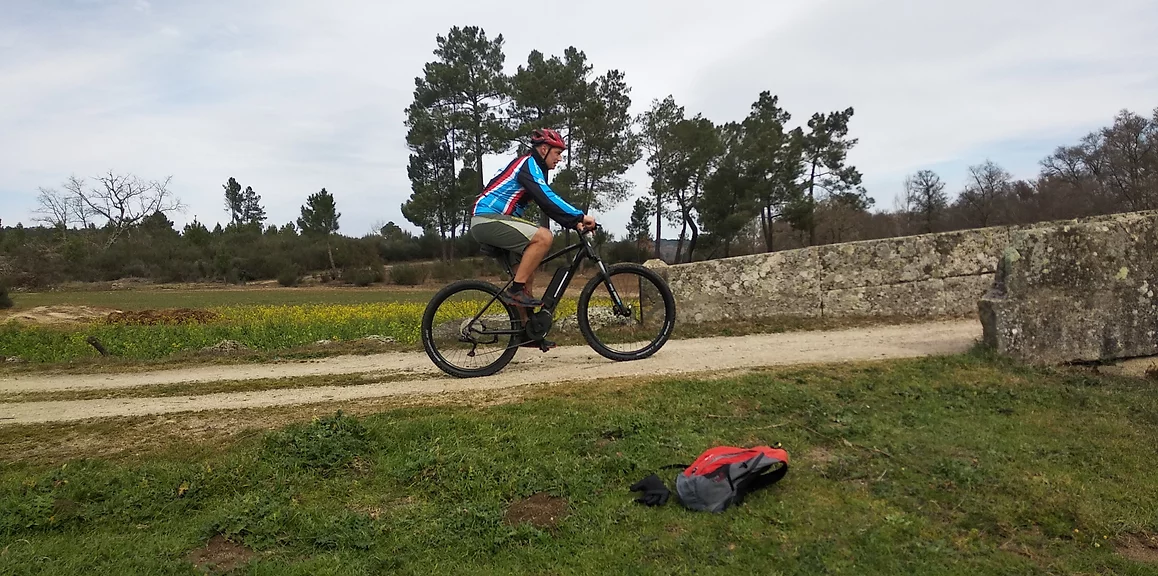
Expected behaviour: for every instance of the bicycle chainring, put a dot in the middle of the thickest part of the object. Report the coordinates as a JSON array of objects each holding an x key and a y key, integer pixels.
[{"x": 538, "y": 325}]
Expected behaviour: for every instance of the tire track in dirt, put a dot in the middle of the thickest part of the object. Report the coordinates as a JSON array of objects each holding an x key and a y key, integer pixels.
[{"x": 573, "y": 363}]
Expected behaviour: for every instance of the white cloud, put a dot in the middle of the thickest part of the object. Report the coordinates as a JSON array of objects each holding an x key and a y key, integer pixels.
[
  {"x": 935, "y": 82},
  {"x": 292, "y": 96}
]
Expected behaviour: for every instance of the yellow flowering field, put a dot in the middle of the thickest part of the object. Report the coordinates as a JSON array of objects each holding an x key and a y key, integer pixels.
[{"x": 261, "y": 327}]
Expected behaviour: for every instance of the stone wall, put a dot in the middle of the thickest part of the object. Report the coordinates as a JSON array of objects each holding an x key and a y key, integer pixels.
[
  {"x": 927, "y": 276},
  {"x": 932, "y": 275},
  {"x": 1080, "y": 291}
]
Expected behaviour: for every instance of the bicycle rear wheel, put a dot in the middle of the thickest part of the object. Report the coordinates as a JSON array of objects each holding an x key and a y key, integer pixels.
[
  {"x": 468, "y": 332},
  {"x": 633, "y": 333}
]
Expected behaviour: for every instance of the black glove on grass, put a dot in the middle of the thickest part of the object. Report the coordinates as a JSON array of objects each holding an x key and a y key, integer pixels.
[{"x": 654, "y": 491}]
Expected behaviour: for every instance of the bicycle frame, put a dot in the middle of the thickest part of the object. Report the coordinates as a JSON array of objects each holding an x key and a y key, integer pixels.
[{"x": 559, "y": 283}]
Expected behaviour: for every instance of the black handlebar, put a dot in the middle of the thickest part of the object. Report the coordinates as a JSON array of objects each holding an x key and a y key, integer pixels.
[{"x": 589, "y": 247}]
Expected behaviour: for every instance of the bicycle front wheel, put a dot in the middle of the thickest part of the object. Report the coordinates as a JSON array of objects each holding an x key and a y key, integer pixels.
[
  {"x": 638, "y": 329},
  {"x": 468, "y": 332}
]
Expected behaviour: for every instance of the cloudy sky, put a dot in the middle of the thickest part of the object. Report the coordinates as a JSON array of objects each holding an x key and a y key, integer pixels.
[{"x": 290, "y": 96}]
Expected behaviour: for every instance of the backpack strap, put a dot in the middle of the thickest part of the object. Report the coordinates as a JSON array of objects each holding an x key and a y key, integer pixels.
[{"x": 754, "y": 483}]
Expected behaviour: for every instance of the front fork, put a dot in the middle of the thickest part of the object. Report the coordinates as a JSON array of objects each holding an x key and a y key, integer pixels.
[{"x": 621, "y": 309}]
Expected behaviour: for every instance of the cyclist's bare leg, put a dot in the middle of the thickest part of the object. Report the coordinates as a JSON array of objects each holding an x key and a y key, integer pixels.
[{"x": 533, "y": 255}]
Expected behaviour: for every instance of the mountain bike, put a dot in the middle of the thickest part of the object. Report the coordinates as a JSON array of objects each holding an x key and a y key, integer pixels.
[{"x": 466, "y": 319}]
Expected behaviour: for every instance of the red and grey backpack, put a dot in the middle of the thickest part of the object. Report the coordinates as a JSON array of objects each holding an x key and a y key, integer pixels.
[{"x": 724, "y": 475}]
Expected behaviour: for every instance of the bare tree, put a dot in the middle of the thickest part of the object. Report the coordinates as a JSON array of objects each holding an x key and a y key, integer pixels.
[
  {"x": 80, "y": 213},
  {"x": 988, "y": 185},
  {"x": 1116, "y": 166},
  {"x": 1074, "y": 165},
  {"x": 925, "y": 198},
  {"x": 1129, "y": 160},
  {"x": 122, "y": 200},
  {"x": 55, "y": 209}
]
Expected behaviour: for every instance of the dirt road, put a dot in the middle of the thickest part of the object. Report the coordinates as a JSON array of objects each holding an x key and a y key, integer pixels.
[{"x": 575, "y": 363}]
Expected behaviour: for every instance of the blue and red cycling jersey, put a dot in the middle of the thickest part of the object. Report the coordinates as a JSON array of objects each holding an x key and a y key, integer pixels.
[{"x": 522, "y": 180}]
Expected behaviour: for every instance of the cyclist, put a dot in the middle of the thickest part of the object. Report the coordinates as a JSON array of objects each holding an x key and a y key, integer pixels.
[{"x": 497, "y": 217}]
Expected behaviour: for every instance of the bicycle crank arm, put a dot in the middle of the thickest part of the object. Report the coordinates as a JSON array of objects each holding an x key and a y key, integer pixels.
[{"x": 521, "y": 344}]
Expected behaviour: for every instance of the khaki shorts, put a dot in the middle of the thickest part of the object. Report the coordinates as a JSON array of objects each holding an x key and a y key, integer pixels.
[{"x": 506, "y": 232}]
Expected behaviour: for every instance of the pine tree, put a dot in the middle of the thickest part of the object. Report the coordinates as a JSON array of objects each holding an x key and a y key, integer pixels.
[
  {"x": 234, "y": 201},
  {"x": 252, "y": 211},
  {"x": 320, "y": 218}
]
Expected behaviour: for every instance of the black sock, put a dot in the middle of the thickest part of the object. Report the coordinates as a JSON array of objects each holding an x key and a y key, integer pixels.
[{"x": 516, "y": 287}]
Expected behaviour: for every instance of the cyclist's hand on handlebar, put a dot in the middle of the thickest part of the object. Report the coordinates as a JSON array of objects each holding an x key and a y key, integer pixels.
[{"x": 588, "y": 223}]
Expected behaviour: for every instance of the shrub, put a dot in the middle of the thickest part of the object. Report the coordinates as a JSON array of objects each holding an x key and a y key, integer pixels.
[
  {"x": 379, "y": 271},
  {"x": 408, "y": 274},
  {"x": 289, "y": 276},
  {"x": 362, "y": 275},
  {"x": 232, "y": 276},
  {"x": 448, "y": 271},
  {"x": 5, "y": 299},
  {"x": 259, "y": 266},
  {"x": 325, "y": 445}
]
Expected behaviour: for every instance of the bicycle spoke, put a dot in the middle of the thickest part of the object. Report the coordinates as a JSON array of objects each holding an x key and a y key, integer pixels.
[
  {"x": 470, "y": 331},
  {"x": 630, "y": 316}
]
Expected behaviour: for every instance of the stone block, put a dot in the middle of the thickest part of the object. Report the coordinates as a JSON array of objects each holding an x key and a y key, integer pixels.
[
  {"x": 1121, "y": 253},
  {"x": 909, "y": 300},
  {"x": 760, "y": 285},
  {"x": 1077, "y": 292},
  {"x": 877, "y": 262},
  {"x": 911, "y": 258},
  {"x": 962, "y": 293},
  {"x": 1057, "y": 329},
  {"x": 969, "y": 252}
]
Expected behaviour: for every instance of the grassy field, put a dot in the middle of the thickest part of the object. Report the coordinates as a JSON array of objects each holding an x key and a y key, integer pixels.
[
  {"x": 960, "y": 465},
  {"x": 157, "y": 298},
  {"x": 266, "y": 319},
  {"x": 263, "y": 319},
  {"x": 265, "y": 328}
]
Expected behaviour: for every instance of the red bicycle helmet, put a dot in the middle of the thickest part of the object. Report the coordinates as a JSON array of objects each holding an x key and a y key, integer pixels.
[{"x": 547, "y": 136}]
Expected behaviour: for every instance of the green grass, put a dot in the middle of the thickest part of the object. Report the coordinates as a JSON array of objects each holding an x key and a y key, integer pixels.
[
  {"x": 191, "y": 358},
  {"x": 960, "y": 465},
  {"x": 53, "y": 345},
  {"x": 147, "y": 299}
]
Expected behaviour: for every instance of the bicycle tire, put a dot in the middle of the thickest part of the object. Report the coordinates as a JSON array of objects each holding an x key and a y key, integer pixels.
[
  {"x": 585, "y": 322},
  {"x": 428, "y": 327}
]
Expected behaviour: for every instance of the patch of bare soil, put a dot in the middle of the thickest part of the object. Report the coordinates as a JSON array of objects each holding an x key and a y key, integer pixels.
[
  {"x": 817, "y": 457},
  {"x": 1139, "y": 548},
  {"x": 172, "y": 316},
  {"x": 1146, "y": 367},
  {"x": 540, "y": 510},
  {"x": 226, "y": 347},
  {"x": 56, "y": 315},
  {"x": 219, "y": 556}
]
